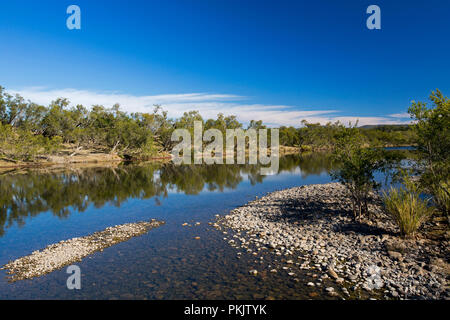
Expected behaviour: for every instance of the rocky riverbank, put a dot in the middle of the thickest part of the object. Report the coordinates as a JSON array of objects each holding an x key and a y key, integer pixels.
[
  {"x": 64, "y": 253},
  {"x": 311, "y": 228}
]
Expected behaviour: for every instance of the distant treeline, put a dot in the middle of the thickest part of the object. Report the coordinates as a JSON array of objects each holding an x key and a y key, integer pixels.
[
  {"x": 29, "y": 130},
  {"x": 314, "y": 136}
]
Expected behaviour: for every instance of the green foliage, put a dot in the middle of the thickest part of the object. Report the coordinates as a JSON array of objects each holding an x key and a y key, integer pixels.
[
  {"x": 406, "y": 207},
  {"x": 432, "y": 128},
  {"x": 112, "y": 130},
  {"x": 223, "y": 123},
  {"x": 357, "y": 167},
  {"x": 257, "y": 125},
  {"x": 29, "y": 130},
  {"x": 20, "y": 144},
  {"x": 314, "y": 136},
  {"x": 305, "y": 148},
  {"x": 289, "y": 136},
  {"x": 319, "y": 137},
  {"x": 441, "y": 196},
  {"x": 392, "y": 135}
]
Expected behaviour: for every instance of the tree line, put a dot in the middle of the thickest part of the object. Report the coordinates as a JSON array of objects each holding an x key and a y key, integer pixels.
[{"x": 29, "y": 130}]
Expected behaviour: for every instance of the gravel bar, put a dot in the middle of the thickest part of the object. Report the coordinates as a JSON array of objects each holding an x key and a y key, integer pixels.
[
  {"x": 64, "y": 253},
  {"x": 312, "y": 228}
]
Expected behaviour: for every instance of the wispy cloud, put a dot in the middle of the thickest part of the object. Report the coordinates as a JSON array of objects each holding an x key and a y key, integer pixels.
[
  {"x": 209, "y": 105},
  {"x": 400, "y": 115}
]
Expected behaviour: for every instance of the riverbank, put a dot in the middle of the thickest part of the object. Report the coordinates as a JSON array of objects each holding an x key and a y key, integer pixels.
[
  {"x": 72, "y": 157},
  {"x": 329, "y": 148},
  {"x": 59, "y": 161},
  {"x": 64, "y": 253},
  {"x": 311, "y": 228}
]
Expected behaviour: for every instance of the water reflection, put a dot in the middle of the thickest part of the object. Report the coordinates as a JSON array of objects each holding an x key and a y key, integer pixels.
[{"x": 26, "y": 194}]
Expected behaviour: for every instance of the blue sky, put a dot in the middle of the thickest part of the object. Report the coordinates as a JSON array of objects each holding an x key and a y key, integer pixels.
[{"x": 279, "y": 61}]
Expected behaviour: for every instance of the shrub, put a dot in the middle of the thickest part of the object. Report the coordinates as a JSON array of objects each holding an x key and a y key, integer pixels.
[
  {"x": 407, "y": 208},
  {"x": 357, "y": 165},
  {"x": 432, "y": 128},
  {"x": 21, "y": 144}
]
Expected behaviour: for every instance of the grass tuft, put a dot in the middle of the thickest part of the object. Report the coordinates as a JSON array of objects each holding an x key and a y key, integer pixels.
[{"x": 408, "y": 209}]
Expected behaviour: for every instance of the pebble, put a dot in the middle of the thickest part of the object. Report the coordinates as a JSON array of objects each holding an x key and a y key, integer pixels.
[
  {"x": 59, "y": 255},
  {"x": 281, "y": 220},
  {"x": 253, "y": 272}
]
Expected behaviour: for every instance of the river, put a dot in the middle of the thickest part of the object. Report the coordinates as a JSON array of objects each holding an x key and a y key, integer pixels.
[{"x": 41, "y": 207}]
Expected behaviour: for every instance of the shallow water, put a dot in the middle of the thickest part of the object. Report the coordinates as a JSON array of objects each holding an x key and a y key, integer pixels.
[{"x": 41, "y": 208}]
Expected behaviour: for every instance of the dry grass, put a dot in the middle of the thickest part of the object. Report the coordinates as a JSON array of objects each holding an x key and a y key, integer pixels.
[{"x": 407, "y": 209}]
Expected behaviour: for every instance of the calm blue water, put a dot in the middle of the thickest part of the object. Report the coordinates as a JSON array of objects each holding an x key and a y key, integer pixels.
[{"x": 41, "y": 208}]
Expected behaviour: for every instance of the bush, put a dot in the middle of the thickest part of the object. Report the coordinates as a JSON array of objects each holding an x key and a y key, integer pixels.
[
  {"x": 357, "y": 165},
  {"x": 432, "y": 128},
  {"x": 20, "y": 144},
  {"x": 407, "y": 208},
  {"x": 305, "y": 148}
]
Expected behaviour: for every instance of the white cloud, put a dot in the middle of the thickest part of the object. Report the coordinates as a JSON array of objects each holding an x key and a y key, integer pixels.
[
  {"x": 400, "y": 115},
  {"x": 209, "y": 105}
]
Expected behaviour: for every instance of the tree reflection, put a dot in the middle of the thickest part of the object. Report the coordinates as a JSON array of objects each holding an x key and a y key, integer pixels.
[{"x": 24, "y": 195}]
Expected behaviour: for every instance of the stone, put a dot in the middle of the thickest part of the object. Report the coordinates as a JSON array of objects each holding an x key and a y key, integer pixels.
[
  {"x": 332, "y": 273},
  {"x": 59, "y": 255},
  {"x": 395, "y": 255},
  {"x": 370, "y": 262},
  {"x": 339, "y": 280},
  {"x": 253, "y": 272}
]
